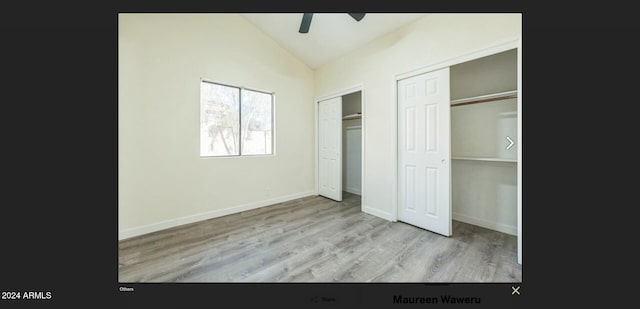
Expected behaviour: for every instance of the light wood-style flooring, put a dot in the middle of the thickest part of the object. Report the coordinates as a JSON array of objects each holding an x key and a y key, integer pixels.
[{"x": 315, "y": 239}]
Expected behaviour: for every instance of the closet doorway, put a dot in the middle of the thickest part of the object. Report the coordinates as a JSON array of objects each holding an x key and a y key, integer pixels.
[
  {"x": 352, "y": 143},
  {"x": 459, "y": 144},
  {"x": 340, "y": 144}
]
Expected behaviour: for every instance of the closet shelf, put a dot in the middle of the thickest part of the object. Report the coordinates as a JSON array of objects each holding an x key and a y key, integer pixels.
[
  {"x": 352, "y": 116},
  {"x": 484, "y": 159},
  {"x": 486, "y": 98}
]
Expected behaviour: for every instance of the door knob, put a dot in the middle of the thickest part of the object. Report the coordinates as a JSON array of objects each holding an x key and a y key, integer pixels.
[{"x": 444, "y": 161}]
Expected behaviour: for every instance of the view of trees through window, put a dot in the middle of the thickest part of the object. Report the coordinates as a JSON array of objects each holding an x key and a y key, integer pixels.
[{"x": 234, "y": 121}]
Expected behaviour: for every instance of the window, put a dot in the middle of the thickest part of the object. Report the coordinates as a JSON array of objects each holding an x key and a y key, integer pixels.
[{"x": 235, "y": 121}]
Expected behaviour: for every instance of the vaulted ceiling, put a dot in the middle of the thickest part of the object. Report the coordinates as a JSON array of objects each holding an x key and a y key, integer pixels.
[{"x": 330, "y": 36}]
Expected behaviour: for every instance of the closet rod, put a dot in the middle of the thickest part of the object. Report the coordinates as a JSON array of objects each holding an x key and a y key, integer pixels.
[
  {"x": 485, "y": 100},
  {"x": 352, "y": 116}
]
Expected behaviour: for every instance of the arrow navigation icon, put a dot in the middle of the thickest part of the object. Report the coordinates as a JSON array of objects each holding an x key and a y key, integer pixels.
[{"x": 510, "y": 143}]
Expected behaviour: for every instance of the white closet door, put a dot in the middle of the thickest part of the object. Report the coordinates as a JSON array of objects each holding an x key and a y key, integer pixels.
[
  {"x": 330, "y": 148},
  {"x": 424, "y": 150}
]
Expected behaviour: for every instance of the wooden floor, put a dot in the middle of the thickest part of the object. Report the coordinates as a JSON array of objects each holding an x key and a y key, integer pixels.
[{"x": 315, "y": 239}]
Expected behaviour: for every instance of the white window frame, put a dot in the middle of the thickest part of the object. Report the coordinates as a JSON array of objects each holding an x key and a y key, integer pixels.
[{"x": 273, "y": 120}]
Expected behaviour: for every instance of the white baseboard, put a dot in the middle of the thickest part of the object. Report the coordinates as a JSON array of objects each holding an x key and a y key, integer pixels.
[
  {"x": 500, "y": 227},
  {"x": 153, "y": 227},
  {"x": 378, "y": 213},
  {"x": 353, "y": 190}
]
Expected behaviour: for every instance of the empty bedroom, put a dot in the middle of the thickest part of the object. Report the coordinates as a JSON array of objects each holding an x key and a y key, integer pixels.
[{"x": 319, "y": 147}]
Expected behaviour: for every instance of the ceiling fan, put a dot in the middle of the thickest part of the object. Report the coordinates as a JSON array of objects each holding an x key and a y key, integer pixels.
[{"x": 306, "y": 20}]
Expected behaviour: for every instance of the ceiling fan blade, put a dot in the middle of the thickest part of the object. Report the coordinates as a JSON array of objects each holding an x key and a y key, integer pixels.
[
  {"x": 306, "y": 22},
  {"x": 357, "y": 16}
]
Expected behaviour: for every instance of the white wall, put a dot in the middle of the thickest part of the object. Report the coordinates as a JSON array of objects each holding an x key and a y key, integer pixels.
[
  {"x": 351, "y": 103},
  {"x": 162, "y": 181},
  {"x": 352, "y": 160},
  {"x": 487, "y": 75},
  {"x": 480, "y": 130},
  {"x": 484, "y": 193},
  {"x": 429, "y": 40}
]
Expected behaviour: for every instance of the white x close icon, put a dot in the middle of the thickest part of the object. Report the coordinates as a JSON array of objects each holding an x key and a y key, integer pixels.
[{"x": 515, "y": 290}]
